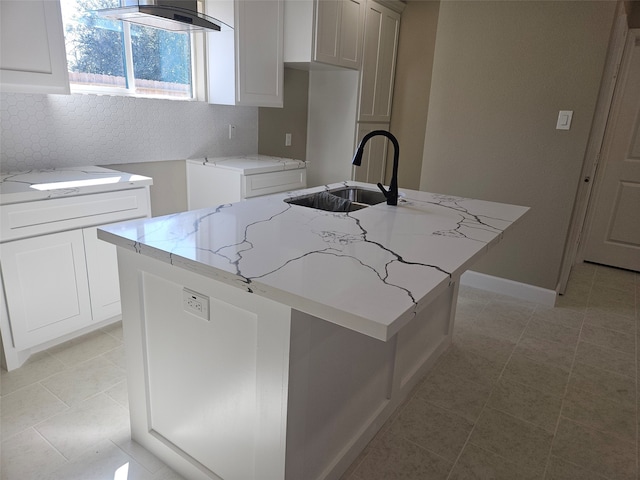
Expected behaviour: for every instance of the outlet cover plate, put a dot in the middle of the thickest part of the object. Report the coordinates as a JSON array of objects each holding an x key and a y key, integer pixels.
[{"x": 195, "y": 303}]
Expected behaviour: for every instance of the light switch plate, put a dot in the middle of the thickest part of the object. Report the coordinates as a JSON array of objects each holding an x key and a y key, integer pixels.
[{"x": 564, "y": 120}]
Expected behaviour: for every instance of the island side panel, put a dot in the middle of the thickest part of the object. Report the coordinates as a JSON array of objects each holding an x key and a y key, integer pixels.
[
  {"x": 343, "y": 385},
  {"x": 207, "y": 396}
]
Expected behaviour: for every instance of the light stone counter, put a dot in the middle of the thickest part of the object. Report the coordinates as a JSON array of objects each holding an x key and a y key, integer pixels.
[
  {"x": 65, "y": 182},
  {"x": 370, "y": 270}
]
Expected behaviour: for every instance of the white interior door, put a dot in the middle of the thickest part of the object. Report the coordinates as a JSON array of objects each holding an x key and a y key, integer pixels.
[{"x": 614, "y": 233}]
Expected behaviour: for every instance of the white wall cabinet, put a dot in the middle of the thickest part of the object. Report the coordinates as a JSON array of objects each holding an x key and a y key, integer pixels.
[
  {"x": 32, "y": 51},
  {"x": 59, "y": 280},
  {"x": 325, "y": 31},
  {"x": 382, "y": 27},
  {"x": 245, "y": 64}
]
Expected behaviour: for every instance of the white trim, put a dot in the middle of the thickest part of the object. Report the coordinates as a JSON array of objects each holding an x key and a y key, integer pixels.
[
  {"x": 503, "y": 286},
  {"x": 574, "y": 247}
]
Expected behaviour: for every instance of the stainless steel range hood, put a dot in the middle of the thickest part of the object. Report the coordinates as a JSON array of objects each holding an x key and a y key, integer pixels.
[{"x": 174, "y": 15}]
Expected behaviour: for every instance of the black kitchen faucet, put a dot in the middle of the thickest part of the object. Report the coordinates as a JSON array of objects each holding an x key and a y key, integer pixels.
[{"x": 391, "y": 194}]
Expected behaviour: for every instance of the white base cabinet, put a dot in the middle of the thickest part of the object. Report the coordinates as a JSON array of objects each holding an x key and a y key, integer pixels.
[
  {"x": 45, "y": 280},
  {"x": 59, "y": 280}
]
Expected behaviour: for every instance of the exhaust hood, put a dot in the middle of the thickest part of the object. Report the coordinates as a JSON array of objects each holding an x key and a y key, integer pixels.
[{"x": 173, "y": 15}]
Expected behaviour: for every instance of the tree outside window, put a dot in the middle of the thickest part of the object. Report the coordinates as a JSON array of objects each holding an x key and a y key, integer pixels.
[{"x": 112, "y": 55}]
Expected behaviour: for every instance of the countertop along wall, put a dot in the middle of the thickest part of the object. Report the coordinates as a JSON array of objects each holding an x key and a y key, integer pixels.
[
  {"x": 501, "y": 72},
  {"x": 154, "y": 136}
]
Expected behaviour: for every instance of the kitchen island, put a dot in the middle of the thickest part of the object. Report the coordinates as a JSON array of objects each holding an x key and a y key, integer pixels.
[{"x": 267, "y": 340}]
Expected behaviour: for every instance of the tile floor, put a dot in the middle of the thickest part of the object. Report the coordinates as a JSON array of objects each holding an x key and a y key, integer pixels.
[{"x": 525, "y": 391}]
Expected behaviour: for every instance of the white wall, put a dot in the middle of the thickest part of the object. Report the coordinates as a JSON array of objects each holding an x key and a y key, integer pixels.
[
  {"x": 331, "y": 126},
  {"x": 46, "y": 131},
  {"x": 501, "y": 72}
]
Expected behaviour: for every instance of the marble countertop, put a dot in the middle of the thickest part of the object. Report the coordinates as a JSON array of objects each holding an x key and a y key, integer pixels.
[
  {"x": 252, "y": 164},
  {"x": 370, "y": 270},
  {"x": 61, "y": 182}
]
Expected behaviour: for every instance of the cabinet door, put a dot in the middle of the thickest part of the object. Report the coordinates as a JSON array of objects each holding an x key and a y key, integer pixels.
[
  {"x": 102, "y": 271},
  {"x": 382, "y": 27},
  {"x": 338, "y": 32},
  {"x": 372, "y": 168},
  {"x": 245, "y": 65},
  {"x": 32, "y": 51},
  {"x": 259, "y": 64},
  {"x": 45, "y": 281},
  {"x": 351, "y": 26}
]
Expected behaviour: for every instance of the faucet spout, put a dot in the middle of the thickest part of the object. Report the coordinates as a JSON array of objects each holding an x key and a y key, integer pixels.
[{"x": 392, "y": 193}]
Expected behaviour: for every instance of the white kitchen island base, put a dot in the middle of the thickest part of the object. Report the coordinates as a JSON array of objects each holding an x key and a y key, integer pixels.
[{"x": 260, "y": 390}]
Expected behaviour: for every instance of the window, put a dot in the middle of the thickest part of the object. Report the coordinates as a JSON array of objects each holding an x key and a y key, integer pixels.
[{"x": 109, "y": 56}]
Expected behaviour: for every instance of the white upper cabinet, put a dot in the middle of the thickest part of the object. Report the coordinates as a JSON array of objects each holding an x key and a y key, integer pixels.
[
  {"x": 382, "y": 27},
  {"x": 326, "y": 31},
  {"x": 245, "y": 65},
  {"x": 32, "y": 51}
]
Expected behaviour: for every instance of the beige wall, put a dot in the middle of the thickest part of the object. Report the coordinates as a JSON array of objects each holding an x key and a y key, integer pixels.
[
  {"x": 274, "y": 123},
  {"x": 169, "y": 190},
  {"x": 501, "y": 72},
  {"x": 416, "y": 46}
]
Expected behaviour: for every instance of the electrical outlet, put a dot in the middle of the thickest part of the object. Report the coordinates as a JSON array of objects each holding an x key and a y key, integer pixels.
[
  {"x": 195, "y": 303},
  {"x": 287, "y": 139}
]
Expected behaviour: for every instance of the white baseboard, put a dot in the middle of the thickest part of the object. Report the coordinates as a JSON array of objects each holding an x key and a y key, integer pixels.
[{"x": 523, "y": 291}]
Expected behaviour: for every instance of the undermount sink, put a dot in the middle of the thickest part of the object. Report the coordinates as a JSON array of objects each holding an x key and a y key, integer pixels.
[
  {"x": 360, "y": 195},
  {"x": 345, "y": 199}
]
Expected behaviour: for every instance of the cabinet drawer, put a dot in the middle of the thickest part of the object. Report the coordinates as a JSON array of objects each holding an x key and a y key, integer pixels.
[
  {"x": 47, "y": 216},
  {"x": 273, "y": 182}
]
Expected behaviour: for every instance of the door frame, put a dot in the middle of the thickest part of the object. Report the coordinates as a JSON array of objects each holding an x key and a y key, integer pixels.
[{"x": 590, "y": 176}]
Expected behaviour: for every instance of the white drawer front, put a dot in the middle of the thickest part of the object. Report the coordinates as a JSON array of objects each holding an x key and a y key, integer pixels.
[
  {"x": 266, "y": 183},
  {"x": 47, "y": 216}
]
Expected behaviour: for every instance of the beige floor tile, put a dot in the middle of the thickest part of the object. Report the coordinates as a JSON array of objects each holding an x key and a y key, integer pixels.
[
  {"x": 117, "y": 357},
  {"x": 476, "y": 463},
  {"x": 84, "y": 380},
  {"x": 544, "y": 377},
  {"x": 604, "y": 337},
  {"x": 599, "y": 452},
  {"x": 140, "y": 454},
  {"x": 84, "y": 348},
  {"x": 115, "y": 330},
  {"x": 540, "y": 408},
  {"x": 104, "y": 461},
  {"x": 600, "y": 413},
  {"x": 26, "y": 455},
  {"x": 552, "y": 331},
  {"x": 559, "y": 469},
  {"x": 548, "y": 352},
  {"x": 496, "y": 350},
  {"x": 614, "y": 278},
  {"x": 577, "y": 302},
  {"x": 395, "y": 458},
  {"x": 598, "y": 318},
  {"x": 610, "y": 306},
  {"x": 604, "y": 295},
  {"x": 559, "y": 316},
  {"x": 38, "y": 367},
  {"x": 27, "y": 407},
  {"x": 617, "y": 388},
  {"x": 431, "y": 427},
  {"x": 85, "y": 425},
  {"x": 468, "y": 366},
  {"x": 513, "y": 439},
  {"x": 455, "y": 394},
  {"x": 606, "y": 359},
  {"x": 119, "y": 393}
]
